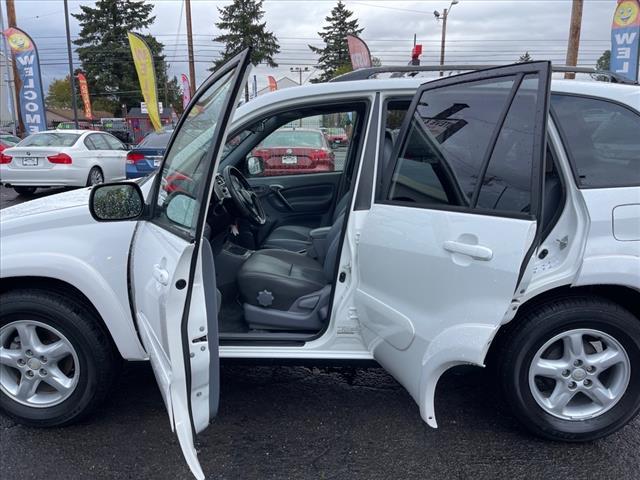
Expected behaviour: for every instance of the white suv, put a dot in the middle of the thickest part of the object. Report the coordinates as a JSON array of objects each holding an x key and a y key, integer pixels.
[{"x": 486, "y": 218}]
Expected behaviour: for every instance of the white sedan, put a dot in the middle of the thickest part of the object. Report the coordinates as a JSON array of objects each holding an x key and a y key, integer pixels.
[{"x": 75, "y": 158}]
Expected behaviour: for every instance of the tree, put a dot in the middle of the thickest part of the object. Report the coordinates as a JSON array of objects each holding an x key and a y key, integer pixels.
[
  {"x": 334, "y": 56},
  {"x": 241, "y": 23},
  {"x": 104, "y": 49},
  {"x": 604, "y": 65},
  {"x": 525, "y": 57},
  {"x": 59, "y": 94}
]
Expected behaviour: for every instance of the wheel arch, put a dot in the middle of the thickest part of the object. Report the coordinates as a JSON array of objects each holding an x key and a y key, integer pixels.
[
  {"x": 70, "y": 291},
  {"x": 626, "y": 297}
]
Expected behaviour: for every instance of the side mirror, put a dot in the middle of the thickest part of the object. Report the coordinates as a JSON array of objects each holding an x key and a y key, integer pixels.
[
  {"x": 180, "y": 209},
  {"x": 255, "y": 166},
  {"x": 113, "y": 202}
]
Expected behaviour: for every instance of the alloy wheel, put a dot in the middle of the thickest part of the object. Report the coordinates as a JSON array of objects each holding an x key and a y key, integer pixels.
[
  {"x": 38, "y": 365},
  {"x": 579, "y": 374},
  {"x": 95, "y": 177}
]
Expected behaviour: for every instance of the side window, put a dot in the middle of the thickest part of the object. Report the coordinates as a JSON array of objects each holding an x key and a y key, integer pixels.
[
  {"x": 506, "y": 185},
  {"x": 601, "y": 138},
  {"x": 99, "y": 142},
  {"x": 113, "y": 142},
  {"x": 88, "y": 142},
  {"x": 450, "y": 132},
  {"x": 312, "y": 144}
]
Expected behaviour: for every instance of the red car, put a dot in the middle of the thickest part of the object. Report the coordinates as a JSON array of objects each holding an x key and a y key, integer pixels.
[
  {"x": 337, "y": 137},
  {"x": 294, "y": 150}
]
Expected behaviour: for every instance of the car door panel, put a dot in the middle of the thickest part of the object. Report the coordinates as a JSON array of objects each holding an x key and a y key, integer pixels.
[
  {"x": 171, "y": 268},
  {"x": 309, "y": 198},
  {"x": 434, "y": 282}
]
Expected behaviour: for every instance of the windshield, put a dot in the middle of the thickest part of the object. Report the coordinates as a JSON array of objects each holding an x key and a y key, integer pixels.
[
  {"x": 293, "y": 138},
  {"x": 50, "y": 139},
  {"x": 155, "y": 140}
]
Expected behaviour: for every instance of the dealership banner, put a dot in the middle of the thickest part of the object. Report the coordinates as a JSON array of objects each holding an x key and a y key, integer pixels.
[
  {"x": 84, "y": 94},
  {"x": 359, "y": 52},
  {"x": 30, "y": 96},
  {"x": 186, "y": 91},
  {"x": 273, "y": 84},
  {"x": 625, "y": 39},
  {"x": 143, "y": 60}
]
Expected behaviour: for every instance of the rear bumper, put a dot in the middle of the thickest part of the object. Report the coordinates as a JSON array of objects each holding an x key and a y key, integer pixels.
[
  {"x": 56, "y": 176},
  {"x": 133, "y": 172}
]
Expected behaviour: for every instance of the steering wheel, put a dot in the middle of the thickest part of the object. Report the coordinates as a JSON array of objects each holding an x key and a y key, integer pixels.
[{"x": 245, "y": 199}]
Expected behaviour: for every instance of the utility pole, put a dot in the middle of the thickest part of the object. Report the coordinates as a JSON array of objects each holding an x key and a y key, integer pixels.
[
  {"x": 299, "y": 71},
  {"x": 11, "y": 17},
  {"x": 444, "y": 16},
  {"x": 10, "y": 92},
  {"x": 72, "y": 77},
  {"x": 574, "y": 36},
  {"x": 192, "y": 67}
]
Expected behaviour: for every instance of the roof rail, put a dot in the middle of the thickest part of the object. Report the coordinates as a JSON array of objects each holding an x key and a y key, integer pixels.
[{"x": 413, "y": 70}]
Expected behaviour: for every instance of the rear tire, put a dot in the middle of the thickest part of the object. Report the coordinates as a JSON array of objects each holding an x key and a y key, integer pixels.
[
  {"x": 537, "y": 361},
  {"x": 95, "y": 177},
  {"x": 25, "y": 191},
  {"x": 88, "y": 360}
]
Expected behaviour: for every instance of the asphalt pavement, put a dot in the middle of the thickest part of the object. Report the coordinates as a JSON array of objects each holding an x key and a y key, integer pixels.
[{"x": 281, "y": 422}]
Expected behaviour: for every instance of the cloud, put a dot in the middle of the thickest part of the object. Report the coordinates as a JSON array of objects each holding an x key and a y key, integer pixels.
[{"x": 478, "y": 31}]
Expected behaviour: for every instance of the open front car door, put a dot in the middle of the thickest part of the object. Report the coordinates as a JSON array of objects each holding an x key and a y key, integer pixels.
[
  {"x": 172, "y": 275},
  {"x": 442, "y": 253}
]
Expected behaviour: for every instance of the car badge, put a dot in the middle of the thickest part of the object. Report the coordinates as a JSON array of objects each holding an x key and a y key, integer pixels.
[
  {"x": 289, "y": 151},
  {"x": 29, "y": 153}
]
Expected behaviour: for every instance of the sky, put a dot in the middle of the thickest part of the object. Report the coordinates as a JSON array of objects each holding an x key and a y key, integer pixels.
[{"x": 478, "y": 31}]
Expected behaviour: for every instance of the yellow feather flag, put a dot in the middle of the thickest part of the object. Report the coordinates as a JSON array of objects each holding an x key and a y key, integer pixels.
[{"x": 143, "y": 61}]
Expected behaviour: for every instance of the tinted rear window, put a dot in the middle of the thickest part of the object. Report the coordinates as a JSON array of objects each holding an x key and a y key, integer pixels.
[
  {"x": 294, "y": 138},
  {"x": 154, "y": 140},
  {"x": 50, "y": 139},
  {"x": 602, "y": 138}
]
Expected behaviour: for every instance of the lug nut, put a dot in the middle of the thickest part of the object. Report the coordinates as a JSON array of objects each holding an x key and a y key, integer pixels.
[
  {"x": 29, "y": 353},
  {"x": 587, "y": 383},
  {"x": 21, "y": 362},
  {"x": 43, "y": 359},
  {"x": 29, "y": 373},
  {"x": 566, "y": 373},
  {"x": 43, "y": 372},
  {"x": 591, "y": 369},
  {"x": 577, "y": 363},
  {"x": 572, "y": 385}
]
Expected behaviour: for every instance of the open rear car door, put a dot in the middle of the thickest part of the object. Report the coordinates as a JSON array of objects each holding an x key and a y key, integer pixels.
[
  {"x": 446, "y": 242},
  {"x": 171, "y": 271}
]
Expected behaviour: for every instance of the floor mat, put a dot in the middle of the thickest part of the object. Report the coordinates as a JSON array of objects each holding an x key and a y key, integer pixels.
[{"x": 231, "y": 318}]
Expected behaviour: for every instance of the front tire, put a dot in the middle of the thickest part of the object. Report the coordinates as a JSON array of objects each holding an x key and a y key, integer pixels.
[
  {"x": 56, "y": 363},
  {"x": 570, "y": 368},
  {"x": 95, "y": 177},
  {"x": 25, "y": 191}
]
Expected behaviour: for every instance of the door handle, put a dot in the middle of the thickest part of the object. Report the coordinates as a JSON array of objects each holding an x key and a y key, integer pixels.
[
  {"x": 276, "y": 189},
  {"x": 477, "y": 252},
  {"x": 161, "y": 275}
]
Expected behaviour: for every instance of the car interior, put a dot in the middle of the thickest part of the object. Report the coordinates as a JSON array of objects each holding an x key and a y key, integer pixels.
[
  {"x": 276, "y": 234},
  {"x": 276, "y": 239}
]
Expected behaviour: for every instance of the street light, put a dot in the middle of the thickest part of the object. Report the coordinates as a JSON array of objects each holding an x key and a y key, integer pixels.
[
  {"x": 443, "y": 17},
  {"x": 299, "y": 70}
]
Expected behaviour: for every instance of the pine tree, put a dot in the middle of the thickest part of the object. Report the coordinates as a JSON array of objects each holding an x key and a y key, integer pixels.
[
  {"x": 241, "y": 23},
  {"x": 604, "y": 65},
  {"x": 525, "y": 58},
  {"x": 334, "y": 56},
  {"x": 105, "y": 54}
]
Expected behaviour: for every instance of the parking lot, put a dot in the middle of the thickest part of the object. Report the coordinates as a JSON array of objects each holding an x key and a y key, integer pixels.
[{"x": 310, "y": 423}]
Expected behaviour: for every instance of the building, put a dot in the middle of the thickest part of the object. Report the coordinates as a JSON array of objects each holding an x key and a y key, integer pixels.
[
  {"x": 139, "y": 123},
  {"x": 284, "y": 82}
]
